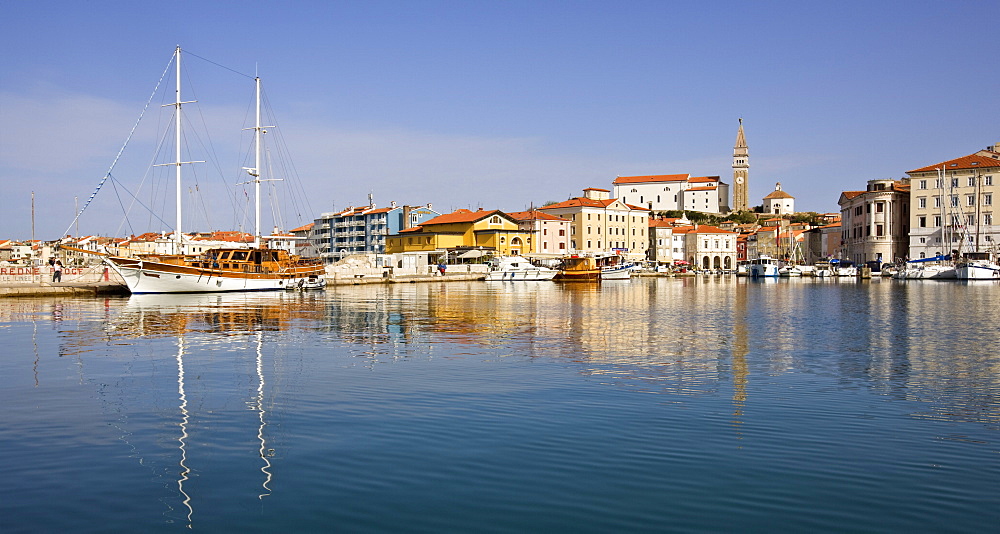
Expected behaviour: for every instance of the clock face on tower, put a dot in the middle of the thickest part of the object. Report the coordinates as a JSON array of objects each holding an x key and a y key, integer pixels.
[{"x": 739, "y": 179}]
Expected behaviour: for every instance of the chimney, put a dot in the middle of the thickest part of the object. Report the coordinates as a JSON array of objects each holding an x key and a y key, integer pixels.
[
  {"x": 392, "y": 203},
  {"x": 406, "y": 217}
]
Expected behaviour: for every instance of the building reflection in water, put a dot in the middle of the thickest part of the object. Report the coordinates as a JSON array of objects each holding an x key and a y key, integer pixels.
[{"x": 929, "y": 344}]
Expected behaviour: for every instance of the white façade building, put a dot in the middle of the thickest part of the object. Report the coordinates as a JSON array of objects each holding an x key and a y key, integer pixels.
[
  {"x": 779, "y": 202},
  {"x": 668, "y": 192}
]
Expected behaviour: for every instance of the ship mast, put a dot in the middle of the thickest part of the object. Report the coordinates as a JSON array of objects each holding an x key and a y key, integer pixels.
[
  {"x": 256, "y": 166},
  {"x": 178, "y": 235},
  {"x": 258, "y": 132}
]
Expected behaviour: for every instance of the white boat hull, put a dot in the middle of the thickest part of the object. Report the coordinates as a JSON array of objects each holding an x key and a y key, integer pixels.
[
  {"x": 979, "y": 270},
  {"x": 153, "y": 277},
  {"x": 616, "y": 273},
  {"x": 523, "y": 275},
  {"x": 763, "y": 270}
]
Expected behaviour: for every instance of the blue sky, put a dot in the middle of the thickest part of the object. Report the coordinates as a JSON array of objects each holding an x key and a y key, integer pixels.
[{"x": 500, "y": 104}]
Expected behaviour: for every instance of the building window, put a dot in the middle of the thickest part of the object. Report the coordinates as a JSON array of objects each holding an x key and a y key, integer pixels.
[
  {"x": 937, "y": 202},
  {"x": 937, "y": 220},
  {"x": 562, "y": 246},
  {"x": 987, "y": 180},
  {"x": 879, "y": 207},
  {"x": 987, "y": 219},
  {"x": 970, "y": 200},
  {"x": 495, "y": 220},
  {"x": 954, "y": 201},
  {"x": 922, "y": 202},
  {"x": 923, "y": 184},
  {"x": 545, "y": 231},
  {"x": 954, "y": 182},
  {"x": 988, "y": 199},
  {"x": 562, "y": 232},
  {"x": 937, "y": 184},
  {"x": 971, "y": 219},
  {"x": 922, "y": 222},
  {"x": 923, "y": 239},
  {"x": 879, "y": 230},
  {"x": 972, "y": 181}
]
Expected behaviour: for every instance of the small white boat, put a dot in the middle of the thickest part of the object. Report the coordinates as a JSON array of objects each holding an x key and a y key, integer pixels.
[
  {"x": 516, "y": 268},
  {"x": 936, "y": 268},
  {"x": 793, "y": 270},
  {"x": 977, "y": 270},
  {"x": 763, "y": 267},
  {"x": 843, "y": 268},
  {"x": 622, "y": 271},
  {"x": 312, "y": 282}
]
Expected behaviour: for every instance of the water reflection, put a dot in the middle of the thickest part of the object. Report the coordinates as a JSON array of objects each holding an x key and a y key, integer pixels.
[
  {"x": 199, "y": 386},
  {"x": 689, "y": 336},
  {"x": 219, "y": 342}
]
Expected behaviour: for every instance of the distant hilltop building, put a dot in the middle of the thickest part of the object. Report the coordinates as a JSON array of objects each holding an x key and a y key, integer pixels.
[
  {"x": 665, "y": 192},
  {"x": 778, "y": 202},
  {"x": 741, "y": 172}
]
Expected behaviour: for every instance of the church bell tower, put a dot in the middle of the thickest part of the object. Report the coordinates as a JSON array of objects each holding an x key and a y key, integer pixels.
[{"x": 741, "y": 172}]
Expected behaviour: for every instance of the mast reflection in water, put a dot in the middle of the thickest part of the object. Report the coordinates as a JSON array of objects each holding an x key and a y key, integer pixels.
[{"x": 706, "y": 404}]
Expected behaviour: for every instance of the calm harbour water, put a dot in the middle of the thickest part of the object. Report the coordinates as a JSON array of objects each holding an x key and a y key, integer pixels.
[{"x": 656, "y": 405}]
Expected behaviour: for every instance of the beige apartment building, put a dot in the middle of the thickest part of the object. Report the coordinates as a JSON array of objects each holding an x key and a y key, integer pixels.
[
  {"x": 875, "y": 223},
  {"x": 600, "y": 224},
  {"x": 952, "y": 205}
]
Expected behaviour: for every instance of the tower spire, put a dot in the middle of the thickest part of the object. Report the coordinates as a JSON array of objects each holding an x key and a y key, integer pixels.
[{"x": 741, "y": 171}]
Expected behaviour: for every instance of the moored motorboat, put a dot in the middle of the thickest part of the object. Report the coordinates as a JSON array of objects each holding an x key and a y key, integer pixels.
[
  {"x": 579, "y": 269},
  {"x": 977, "y": 270},
  {"x": 517, "y": 268},
  {"x": 763, "y": 267}
]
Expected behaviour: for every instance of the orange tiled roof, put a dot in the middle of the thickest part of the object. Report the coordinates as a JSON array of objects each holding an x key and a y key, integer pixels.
[
  {"x": 703, "y": 179},
  {"x": 533, "y": 215},
  {"x": 304, "y": 228},
  {"x": 664, "y": 222},
  {"x": 580, "y": 201},
  {"x": 652, "y": 178},
  {"x": 778, "y": 194},
  {"x": 703, "y": 188},
  {"x": 461, "y": 216},
  {"x": 853, "y": 194},
  {"x": 972, "y": 161},
  {"x": 702, "y": 229}
]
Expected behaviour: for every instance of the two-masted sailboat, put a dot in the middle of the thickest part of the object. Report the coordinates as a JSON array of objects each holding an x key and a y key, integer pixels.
[{"x": 258, "y": 268}]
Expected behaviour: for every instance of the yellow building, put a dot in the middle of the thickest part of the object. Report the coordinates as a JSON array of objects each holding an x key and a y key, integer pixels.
[{"x": 493, "y": 231}]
